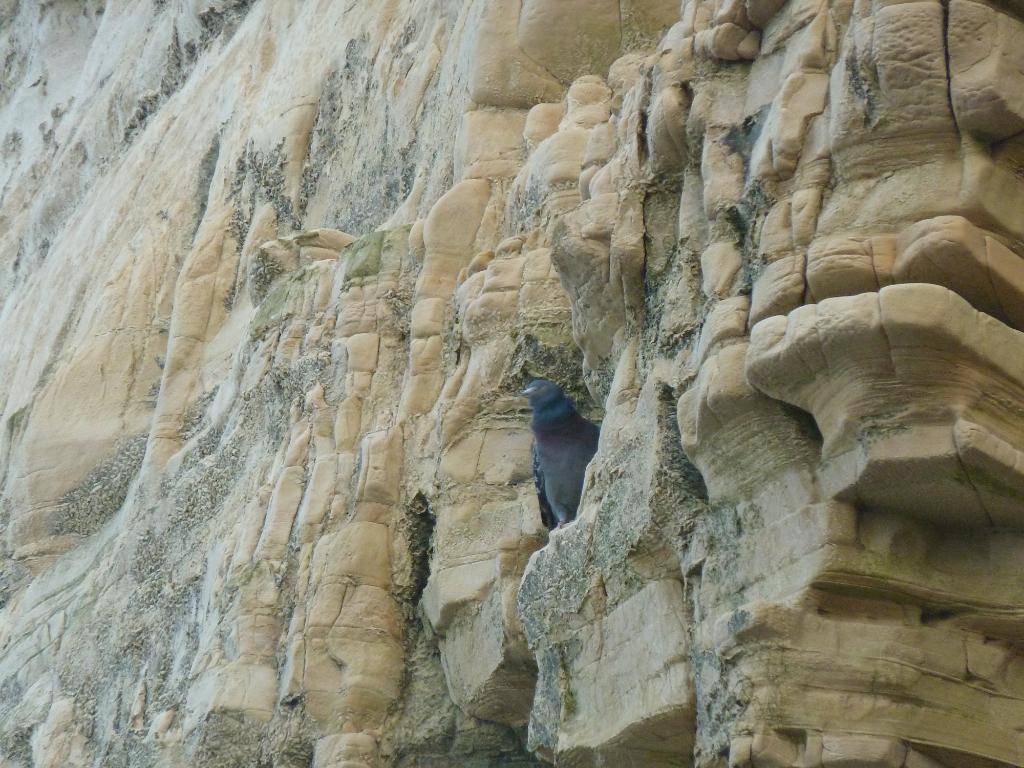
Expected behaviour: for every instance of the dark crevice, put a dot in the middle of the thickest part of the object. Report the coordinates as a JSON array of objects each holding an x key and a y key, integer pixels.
[
  {"x": 207, "y": 167},
  {"x": 860, "y": 87},
  {"x": 419, "y": 525},
  {"x": 804, "y": 421},
  {"x": 945, "y": 54}
]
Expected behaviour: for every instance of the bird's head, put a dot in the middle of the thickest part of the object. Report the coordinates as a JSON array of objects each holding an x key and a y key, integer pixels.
[{"x": 546, "y": 397}]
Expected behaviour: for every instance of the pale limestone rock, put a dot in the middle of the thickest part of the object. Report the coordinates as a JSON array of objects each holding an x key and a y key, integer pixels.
[
  {"x": 801, "y": 97},
  {"x": 893, "y": 342},
  {"x": 644, "y": 673},
  {"x": 541, "y": 121},
  {"x": 952, "y": 252},
  {"x": 502, "y": 72},
  {"x": 272, "y": 275},
  {"x": 665, "y": 138},
  {"x": 58, "y": 740},
  {"x": 715, "y": 417},
  {"x": 861, "y": 750},
  {"x": 490, "y": 144},
  {"x": 986, "y": 64},
  {"x": 719, "y": 263}
]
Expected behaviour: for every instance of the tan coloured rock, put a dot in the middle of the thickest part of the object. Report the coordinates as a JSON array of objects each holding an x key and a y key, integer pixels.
[
  {"x": 986, "y": 64},
  {"x": 266, "y": 491},
  {"x": 490, "y": 143},
  {"x": 893, "y": 342},
  {"x": 951, "y": 252},
  {"x": 646, "y": 674}
]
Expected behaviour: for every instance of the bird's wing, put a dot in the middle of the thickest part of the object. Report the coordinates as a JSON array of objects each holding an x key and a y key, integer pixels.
[{"x": 546, "y": 515}]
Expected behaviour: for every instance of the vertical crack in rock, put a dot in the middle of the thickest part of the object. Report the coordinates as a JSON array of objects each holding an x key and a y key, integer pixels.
[
  {"x": 207, "y": 167},
  {"x": 273, "y": 275}
]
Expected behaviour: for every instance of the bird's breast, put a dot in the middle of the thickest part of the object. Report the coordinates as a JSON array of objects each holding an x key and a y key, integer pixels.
[{"x": 563, "y": 451}]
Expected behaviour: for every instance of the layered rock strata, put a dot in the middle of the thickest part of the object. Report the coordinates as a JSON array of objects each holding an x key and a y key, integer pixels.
[{"x": 273, "y": 273}]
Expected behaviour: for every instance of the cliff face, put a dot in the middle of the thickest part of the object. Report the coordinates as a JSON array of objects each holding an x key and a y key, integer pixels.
[{"x": 273, "y": 273}]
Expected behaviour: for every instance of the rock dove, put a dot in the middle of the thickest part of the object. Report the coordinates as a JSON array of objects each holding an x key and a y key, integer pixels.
[{"x": 564, "y": 443}]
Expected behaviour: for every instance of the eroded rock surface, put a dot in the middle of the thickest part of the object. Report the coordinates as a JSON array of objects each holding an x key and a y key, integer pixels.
[{"x": 273, "y": 273}]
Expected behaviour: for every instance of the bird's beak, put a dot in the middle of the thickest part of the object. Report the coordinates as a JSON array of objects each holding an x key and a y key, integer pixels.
[{"x": 528, "y": 391}]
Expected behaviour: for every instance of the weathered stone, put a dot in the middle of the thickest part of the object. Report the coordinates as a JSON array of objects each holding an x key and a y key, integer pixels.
[{"x": 266, "y": 486}]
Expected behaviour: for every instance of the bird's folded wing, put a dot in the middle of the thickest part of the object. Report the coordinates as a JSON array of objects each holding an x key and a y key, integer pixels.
[{"x": 546, "y": 515}]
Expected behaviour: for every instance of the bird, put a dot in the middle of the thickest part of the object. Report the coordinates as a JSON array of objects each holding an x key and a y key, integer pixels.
[{"x": 564, "y": 442}]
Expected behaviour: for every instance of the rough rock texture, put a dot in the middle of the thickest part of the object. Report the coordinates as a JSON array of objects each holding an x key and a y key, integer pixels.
[{"x": 271, "y": 276}]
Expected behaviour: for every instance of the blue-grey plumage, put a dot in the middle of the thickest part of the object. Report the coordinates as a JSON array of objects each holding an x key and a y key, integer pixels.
[{"x": 564, "y": 443}]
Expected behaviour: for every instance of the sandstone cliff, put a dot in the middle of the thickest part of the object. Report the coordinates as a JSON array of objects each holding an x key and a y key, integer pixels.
[{"x": 272, "y": 273}]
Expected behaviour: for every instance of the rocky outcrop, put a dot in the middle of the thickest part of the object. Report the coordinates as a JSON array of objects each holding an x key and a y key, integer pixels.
[{"x": 273, "y": 275}]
